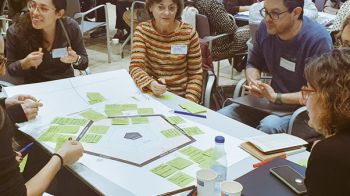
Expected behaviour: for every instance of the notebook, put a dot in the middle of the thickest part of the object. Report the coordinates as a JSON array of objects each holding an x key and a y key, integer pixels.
[{"x": 269, "y": 146}]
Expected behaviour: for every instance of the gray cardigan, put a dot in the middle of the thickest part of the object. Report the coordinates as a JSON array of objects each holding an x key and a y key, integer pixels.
[{"x": 17, "y": 48}]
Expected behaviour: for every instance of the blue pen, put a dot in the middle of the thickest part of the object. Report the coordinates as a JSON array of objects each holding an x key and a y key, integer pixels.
[
  {"x": 26, "y": 147},
  {"x": 190, "y": 114}
]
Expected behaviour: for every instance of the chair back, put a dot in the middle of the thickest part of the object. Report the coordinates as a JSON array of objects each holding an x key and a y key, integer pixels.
[
  {"x": 320, "y": 4},
  {"x": 111, "y": 16},
  {"x": 73, "y": 7},
  {"x": 202, "y": 25}
]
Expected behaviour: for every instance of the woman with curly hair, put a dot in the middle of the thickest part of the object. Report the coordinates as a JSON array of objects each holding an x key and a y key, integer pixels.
[
  {"x": 32, "y": 43},
  {"x": 327, "y": 98}
]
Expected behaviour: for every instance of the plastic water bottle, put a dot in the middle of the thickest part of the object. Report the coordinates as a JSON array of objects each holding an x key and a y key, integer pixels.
[{"x": 220, "y": 167}]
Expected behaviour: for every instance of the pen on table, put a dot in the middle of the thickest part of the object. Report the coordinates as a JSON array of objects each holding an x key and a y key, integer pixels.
[
  {"x": 256, "y": 165},
  {"x": 26, "y": 147},
  {"x": 189, "y": 114}
]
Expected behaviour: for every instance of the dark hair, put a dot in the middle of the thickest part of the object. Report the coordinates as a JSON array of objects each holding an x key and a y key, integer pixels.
[
  {"x": 329, "y": 76},
  {"x": 60, "y": 4},
  {"x": 179, "y": 3},
  {"x": 24, "y": 29},
  {"x": 292, "y": 4}
]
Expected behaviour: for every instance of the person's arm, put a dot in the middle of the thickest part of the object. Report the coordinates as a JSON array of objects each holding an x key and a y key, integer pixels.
[
  {"x": 137, "y": 64},
  {"x": 79, "y": 47},
  {"x": 13, "y": 64},
  {"x": 194, "y": 70},
  {"x": 70, "y": 152}
]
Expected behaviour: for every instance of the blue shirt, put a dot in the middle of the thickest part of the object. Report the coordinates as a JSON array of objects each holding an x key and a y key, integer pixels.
[{"x": 269, "y": 51}]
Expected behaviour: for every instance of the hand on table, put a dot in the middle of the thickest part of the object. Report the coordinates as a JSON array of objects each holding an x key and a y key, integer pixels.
[{"x": 158, "y": 88}]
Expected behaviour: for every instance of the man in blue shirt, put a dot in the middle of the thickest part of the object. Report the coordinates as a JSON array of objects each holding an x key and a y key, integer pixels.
[{"x": 284, "y": 41}]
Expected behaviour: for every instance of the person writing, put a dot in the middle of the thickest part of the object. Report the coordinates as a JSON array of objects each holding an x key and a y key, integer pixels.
[
  {"x": 166, "y": 52},
  {"x": 327, "y": 97},
  {"x": 42, "y": 45}
]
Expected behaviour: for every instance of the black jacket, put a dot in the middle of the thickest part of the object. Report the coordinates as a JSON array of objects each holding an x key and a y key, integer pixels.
[{"x": 18, "y": 47}]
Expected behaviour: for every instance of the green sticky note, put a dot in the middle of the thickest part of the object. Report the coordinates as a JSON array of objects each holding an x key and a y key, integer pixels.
[
  {"x": 93, "y": 115},
  {"x": 191, "y": 151},
  {"x": 179, "y": 163},
  {"x": 170, "y": 133},
  {"x": 120, "y": 121},
  {"x": 95, "y": 97},
  {"x": 200, "y": 158},
  {"x": 99, "y": 129},
  {"x": 73, "y": 129},
  {"x": 69, "y": 121},
  {"x": 113, "y": 113},
  {"x": 23, "y": 163},
  {"x": 117, "y": 107},
  {"x": 49, "y": 134},
  {"x": 59, "y": 142},
  {"x": 91, "y": 138},
  {"x": 302, "y": 162},
  {"x": 164, "y": 170},
  {"x": 193, "y": 131},
  {"x": 209, "y": 152},
  {"x": 145, "y": 111},
  {"x": 139, "y": 120},
  {"x": 166, "y": 97},
  {"x": 181, "y": 179},
  {"x": 175, "y": 120},
  {"x": 193, "y": 107},
  {"x": 129, "y": 106},
  {"x": 207, "y": 163}
]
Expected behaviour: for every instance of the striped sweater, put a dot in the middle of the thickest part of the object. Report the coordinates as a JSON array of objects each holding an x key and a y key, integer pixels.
[{"x": 151, "y": 59}]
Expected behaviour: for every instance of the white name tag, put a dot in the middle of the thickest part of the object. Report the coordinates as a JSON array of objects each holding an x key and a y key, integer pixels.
[
  {"x": 59, "y": 52},
  {"x": 288, "y": 65},
  {"x": 178, "y": 49}
]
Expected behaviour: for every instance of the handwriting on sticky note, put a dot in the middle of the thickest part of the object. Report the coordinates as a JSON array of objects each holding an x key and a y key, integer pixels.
[
  {"x": 175, "y": 120},
  {"x": 120, "y": 121},
  {"x": 170, "y": 133},
  {"x": 95, "y": 97},
  {"x": 99, "y": 129},
  {"x": 69, "y": 121},
  {"x": 48, "y": 134},
  {"x": 113, "y": 113},
  {"x": 91, "y": 138},
  {"x": 179, "y": 163},
  {"x": 181, "y": 179},
  {"x": 193, "y": 107},
  {"x": 93, "y": 115},
  {"x": 164, "y": 170},
  {"x": 193, "y": 131},
  {"x": 73, "y": 129},
  {"x": 129, "y": 106},
  {"x": 145, "y": 111},
  {"x": 139, "y": 120},
  {"x": 191, "y": 151},
  {"x": 200, "y": 158}
]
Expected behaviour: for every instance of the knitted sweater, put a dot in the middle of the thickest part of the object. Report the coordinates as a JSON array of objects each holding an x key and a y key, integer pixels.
[{"x": 151, "y": 59}]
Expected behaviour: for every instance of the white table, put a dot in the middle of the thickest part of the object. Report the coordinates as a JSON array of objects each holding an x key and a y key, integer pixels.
[{"x": 121, "y": 81}]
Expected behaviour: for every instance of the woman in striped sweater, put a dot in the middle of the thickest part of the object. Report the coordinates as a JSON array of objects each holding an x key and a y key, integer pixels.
[{"x": 166, "y": 52}]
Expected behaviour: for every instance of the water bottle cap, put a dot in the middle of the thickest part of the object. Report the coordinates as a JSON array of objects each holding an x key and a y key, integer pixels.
[{"x": 219, "y": 139}]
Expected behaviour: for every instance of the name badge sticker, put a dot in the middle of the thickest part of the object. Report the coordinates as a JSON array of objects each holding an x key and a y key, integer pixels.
[
  {"x": 178, "y": 49},
  {"x": 59, "y": 52},
  {"x": 288, "y": 65}
]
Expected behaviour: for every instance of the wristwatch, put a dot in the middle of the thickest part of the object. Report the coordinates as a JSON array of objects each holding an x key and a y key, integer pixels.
[{"x": 78, "y": 61}]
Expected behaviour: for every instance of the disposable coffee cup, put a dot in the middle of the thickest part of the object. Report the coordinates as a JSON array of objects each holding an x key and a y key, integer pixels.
[
  {"x": 231, "y": 188},
  {"x": 206, "y": 182}
]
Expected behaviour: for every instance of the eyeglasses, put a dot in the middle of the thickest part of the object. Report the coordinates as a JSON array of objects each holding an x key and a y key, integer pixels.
[
  {"x": 306, "y": 92},
  {"x": 32, "y": 6},
  {"x": 171, "y": 9},
  {"x": 273, "y": 15}
]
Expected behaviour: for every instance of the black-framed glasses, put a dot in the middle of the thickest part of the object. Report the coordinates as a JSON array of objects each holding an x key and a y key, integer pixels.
[
  {"x": 273, "y": 15},
  {"x": 306, "y": 92}
]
